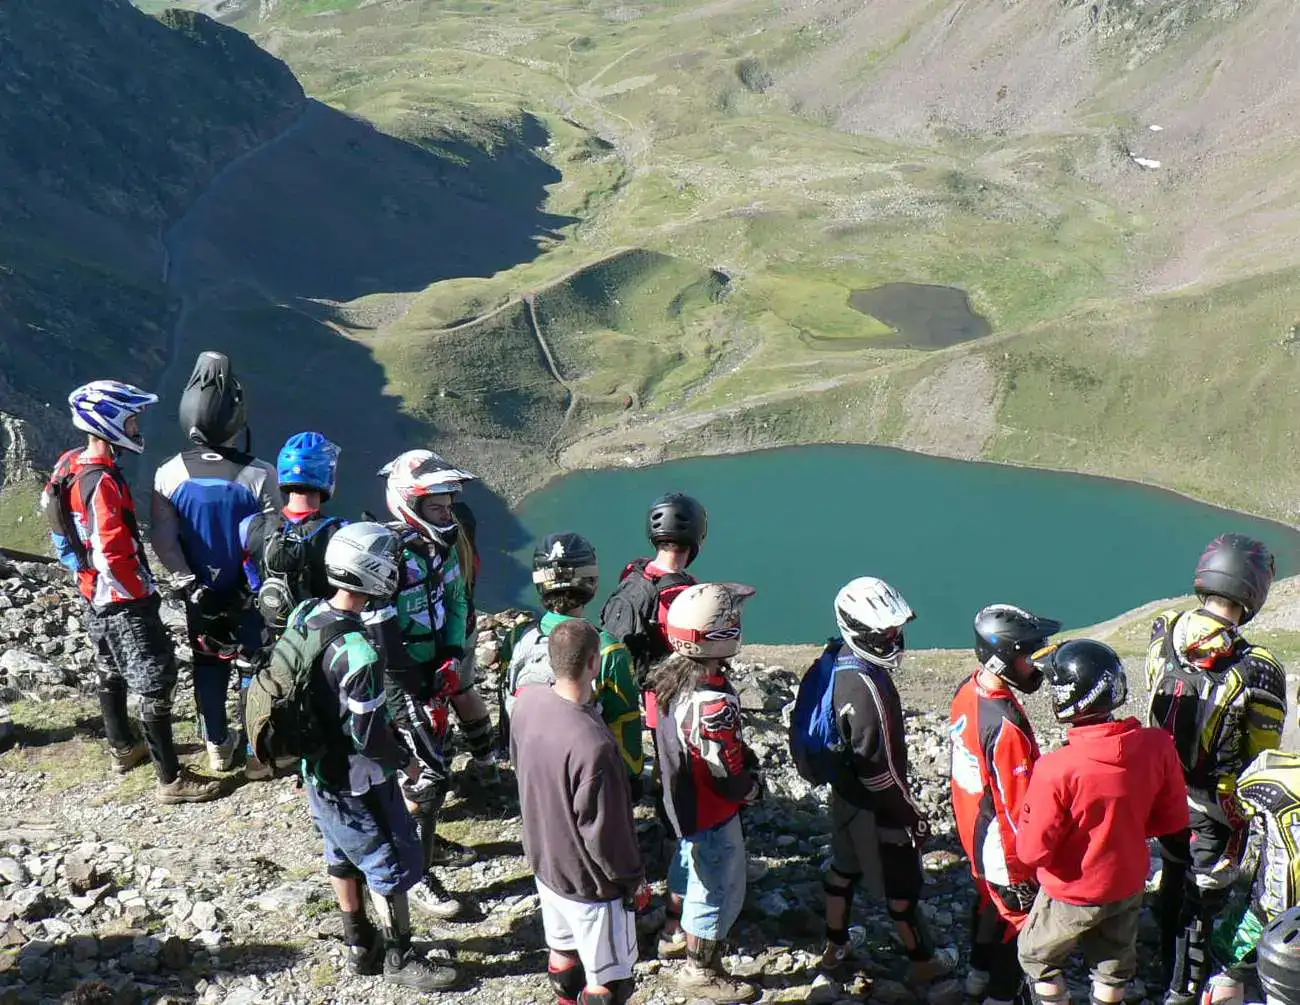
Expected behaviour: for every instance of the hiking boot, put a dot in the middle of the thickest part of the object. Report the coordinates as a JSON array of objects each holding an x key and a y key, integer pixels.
[
  {"x": 451, "y": 854},
  {"x": 714, "y": 984},
  {"x": 366, "y": 961},
  {"x": 411, "y": 970},
  {"x": 922, "y": 972},
  {"x": 672, "y": 947},
  {"x": 432, "y": 898},
  {"x": 221, "y": 756},
  {"x": 255, "y": 770},
  {"x": 484, "y": 771},
  {"x": 187, "y": 787},
  {"x": 848, "y": 953},
  {"x": 126, "y": 758}
]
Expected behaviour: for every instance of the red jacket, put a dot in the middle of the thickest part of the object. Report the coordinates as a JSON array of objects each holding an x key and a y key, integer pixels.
[
  {"x": 1093, "y": 804},
  {"x": 103, "y": 514}
]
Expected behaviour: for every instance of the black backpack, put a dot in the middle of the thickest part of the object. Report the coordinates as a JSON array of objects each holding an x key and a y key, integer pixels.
[
  {"x": 631, "y": 614},
  {"x": 1192, "y": 706},
  {"x": 293, "y": 556},
  {"x": 279, "y": 712}
]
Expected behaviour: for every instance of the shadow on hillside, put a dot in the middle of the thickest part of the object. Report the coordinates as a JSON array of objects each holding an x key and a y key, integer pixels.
[
  {"x": 86, "y": 726},
  {"x": 178, "y": 976},
  {"x": 336, "y": 210}
]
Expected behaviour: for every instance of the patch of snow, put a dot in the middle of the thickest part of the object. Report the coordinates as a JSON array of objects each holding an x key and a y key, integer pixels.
[{"x": 1146, "y": 162}]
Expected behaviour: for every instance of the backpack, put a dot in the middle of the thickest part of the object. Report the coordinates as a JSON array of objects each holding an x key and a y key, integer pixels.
[
  {"x": 279, "y": 714},
  {"x": 816, "y": 744},
  {"x": 631, "y": 614},
  {"x": 1189, "y": 704},
  {"x": 529, "y": 664},
  {"x": 289, "y": 559},
  {"x": 56, "y": 506}
]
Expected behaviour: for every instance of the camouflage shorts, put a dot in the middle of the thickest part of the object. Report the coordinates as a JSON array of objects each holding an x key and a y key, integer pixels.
[
  {"x": 1235, "y": 938},
  {"x": 132, "y": 644}
]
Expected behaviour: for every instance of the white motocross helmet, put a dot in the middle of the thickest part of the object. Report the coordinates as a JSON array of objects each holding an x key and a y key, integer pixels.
[
  {"x": 871, "y": 615},
  {"x": 363, "y": 558},
  {"x": 414, "y": 475},
  {"x": 704, "y": 620}
]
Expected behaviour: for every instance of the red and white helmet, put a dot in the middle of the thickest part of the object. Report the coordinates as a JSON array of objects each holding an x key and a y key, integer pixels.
[
  {"x": 414, "y": 475},
  {"x": 704, "y": 620}
]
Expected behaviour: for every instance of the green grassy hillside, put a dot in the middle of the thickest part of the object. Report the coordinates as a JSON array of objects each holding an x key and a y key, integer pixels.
[{"x": 799, "y": 154}]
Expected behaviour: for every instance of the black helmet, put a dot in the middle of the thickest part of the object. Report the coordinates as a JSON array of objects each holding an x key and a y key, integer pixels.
[
  {"x": 1278, "y": 960},
  {"x": 1237, "y": 568},
  {"x": 1087, "y": 680},
  {"x": 566, "y": 563},
  {"x": 1003, "y": 633},
  {"x": 212, "y": 409},
  {"x": 677, "y": 519}
]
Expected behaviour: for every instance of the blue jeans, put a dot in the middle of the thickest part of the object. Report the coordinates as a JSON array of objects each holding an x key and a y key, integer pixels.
[
  {"x": 370, "y": 836},
  {"x": 212, "y": 674},
  {"x": 708, "y": 873}
]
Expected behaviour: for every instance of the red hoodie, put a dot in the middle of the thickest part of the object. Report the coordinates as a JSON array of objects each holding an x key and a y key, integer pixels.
[{"x": 1093, "y": 804}]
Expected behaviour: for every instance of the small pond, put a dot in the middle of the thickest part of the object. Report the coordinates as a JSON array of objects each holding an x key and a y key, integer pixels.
[{"x": 923, "y": 316}]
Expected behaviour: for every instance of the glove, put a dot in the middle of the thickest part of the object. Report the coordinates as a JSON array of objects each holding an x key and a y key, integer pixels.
[
  {"x": 920, "y": 832},
  {"x": 448, "y": 678},
  {"x": 439, "y": 716},
  {"x": 1018, "y": 896},
  {"x": 638, "y": 900}
]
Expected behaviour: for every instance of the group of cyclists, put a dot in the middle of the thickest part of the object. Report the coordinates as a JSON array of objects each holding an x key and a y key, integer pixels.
[{"x": 354, "y": 648}]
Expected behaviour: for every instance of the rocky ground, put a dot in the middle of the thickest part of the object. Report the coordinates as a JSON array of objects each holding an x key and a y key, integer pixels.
[{"x": 228, "y": 903}]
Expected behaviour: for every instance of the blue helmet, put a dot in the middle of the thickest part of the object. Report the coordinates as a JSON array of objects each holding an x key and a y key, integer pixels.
[{"x": 308, "y": 461}]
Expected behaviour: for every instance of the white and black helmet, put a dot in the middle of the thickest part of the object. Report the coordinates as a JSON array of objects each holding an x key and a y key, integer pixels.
[
  {"x": 871, "y": 615},
  {"x": 363, "y": 558}
]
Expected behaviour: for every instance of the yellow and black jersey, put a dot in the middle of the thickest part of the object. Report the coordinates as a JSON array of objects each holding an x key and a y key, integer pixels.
[
  {"x": 1222, "y": 699},
  {"x": 1269, "y": 791}
]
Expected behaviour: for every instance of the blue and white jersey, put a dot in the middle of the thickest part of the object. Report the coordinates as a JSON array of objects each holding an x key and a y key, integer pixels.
[{"x": 200, "y": 497}]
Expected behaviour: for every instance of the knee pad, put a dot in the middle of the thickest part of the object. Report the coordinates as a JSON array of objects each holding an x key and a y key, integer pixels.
[
  {"x": 569, "y": 983},
  {"x": 910, "y": 916},
  {"x": 617, "y": 993},
  {"x": 478, "y": 735},
  {"x": 344, "y": 870},
  {"x": 154, "y": 707}
]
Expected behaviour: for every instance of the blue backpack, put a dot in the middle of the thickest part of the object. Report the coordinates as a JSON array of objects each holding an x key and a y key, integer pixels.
[{"x": 816, "y": 744}]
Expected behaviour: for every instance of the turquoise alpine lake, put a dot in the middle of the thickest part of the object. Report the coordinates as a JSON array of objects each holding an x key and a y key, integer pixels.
[{"x": 798, "y": 523}]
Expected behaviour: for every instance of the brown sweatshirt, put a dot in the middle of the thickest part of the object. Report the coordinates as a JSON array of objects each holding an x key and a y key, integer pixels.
[{"x": 579, "y": 837}]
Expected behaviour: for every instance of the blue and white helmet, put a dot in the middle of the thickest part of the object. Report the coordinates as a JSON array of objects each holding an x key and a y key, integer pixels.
[
  {"x": 102, "y": 407},
  {"x": 308, "y": 461}
]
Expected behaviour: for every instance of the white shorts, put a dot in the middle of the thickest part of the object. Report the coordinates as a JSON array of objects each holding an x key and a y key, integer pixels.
[{"x": 603, "y": 935}]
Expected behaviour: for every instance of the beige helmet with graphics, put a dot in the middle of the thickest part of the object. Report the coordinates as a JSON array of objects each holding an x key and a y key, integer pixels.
[{"x": 704, "y": 620}]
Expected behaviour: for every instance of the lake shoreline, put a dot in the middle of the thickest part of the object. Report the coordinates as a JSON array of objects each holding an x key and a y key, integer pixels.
[{"x": 516, "y": 497}]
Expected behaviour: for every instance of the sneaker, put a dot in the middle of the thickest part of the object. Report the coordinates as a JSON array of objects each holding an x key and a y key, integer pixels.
[
  {"x": 714, "y": 985},
  {"x": 432, "y": 897},
  {"x": 187, "y": 787},
  {"x": 922, "y": 972},
  {"x": 221, "y": 756},
  {"x": 365, "y": 961},
  {"x": 411, "y": 970},
  {"x": 452, "y": 854},
  {"x": 672, "y": 947},
  {"x": 126, "y": 758}
]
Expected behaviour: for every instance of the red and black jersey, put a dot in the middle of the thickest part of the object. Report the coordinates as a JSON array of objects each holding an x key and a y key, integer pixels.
[
  {"x": 704, "y": 762},
  {"x": 103, "y": 516},
  {"x": 993, "y": 754}
]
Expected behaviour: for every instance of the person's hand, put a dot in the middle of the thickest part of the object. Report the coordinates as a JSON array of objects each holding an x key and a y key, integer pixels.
[{"x": 448, "y": 678}]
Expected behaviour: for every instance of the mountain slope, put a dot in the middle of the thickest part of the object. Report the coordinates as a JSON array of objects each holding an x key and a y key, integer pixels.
[{"x": 111, "y": 122}]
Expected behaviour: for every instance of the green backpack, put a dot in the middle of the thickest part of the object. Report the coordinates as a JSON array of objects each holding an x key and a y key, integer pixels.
[{"x": 279, "y": 713}]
